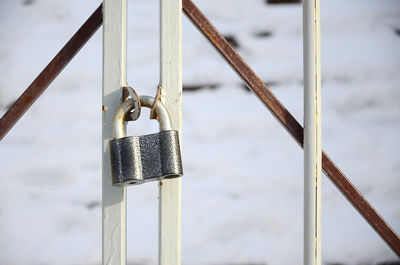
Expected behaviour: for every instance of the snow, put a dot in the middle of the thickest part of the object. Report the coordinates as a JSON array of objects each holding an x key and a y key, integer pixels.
[{"x": 242, "y": 189}]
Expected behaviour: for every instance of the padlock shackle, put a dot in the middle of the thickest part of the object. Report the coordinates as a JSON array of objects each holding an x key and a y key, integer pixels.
[
  {"x": 119, "y": 117},
  {"x": 163, "y": 116}
]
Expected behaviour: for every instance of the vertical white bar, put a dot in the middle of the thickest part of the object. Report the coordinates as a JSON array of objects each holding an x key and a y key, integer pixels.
[
  {"x": 171, "y": 96},
  {"x": 312, "y": 132},
  {"x": 114, "y": 77}
]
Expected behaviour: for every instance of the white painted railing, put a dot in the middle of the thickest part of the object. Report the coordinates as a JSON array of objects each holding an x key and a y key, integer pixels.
[
  {"x": 171, "y": 96},
  {"x": 114, "y": 78},
  {"x": 312, "y": 132}
]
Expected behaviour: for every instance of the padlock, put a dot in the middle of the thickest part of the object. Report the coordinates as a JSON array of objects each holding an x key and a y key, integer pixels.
[{"x": 139, "y": 159}]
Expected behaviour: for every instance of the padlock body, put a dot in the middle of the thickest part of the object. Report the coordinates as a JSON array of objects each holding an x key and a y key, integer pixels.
[{"x": 138, "y": 159}]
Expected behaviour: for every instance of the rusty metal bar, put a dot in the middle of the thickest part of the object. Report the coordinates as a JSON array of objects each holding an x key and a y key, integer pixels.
[
  {"x": 44, "y": 79},
  {"x": 290, "y": 123}
]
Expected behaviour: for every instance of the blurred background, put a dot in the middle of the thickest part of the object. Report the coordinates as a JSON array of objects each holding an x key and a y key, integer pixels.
[{"x": 243, "y": 183}]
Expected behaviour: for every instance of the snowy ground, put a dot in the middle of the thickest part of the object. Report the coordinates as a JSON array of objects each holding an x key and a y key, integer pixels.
[{"x": 242, "y": 190}]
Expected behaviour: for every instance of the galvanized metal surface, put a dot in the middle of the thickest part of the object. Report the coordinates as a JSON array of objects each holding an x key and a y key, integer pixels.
[
  {"x": 290, "y": 123},
  {"x": 139, "y": 159},
  {"x": 44, "y": 79}
]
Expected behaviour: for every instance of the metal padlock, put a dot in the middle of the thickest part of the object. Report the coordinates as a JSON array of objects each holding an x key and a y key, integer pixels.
[{"x": 138, "y": 159}]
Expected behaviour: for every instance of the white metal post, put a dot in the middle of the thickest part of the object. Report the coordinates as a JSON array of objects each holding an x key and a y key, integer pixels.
[
  {"x": 312, "y": 132},
  {"x": 171, "y": 96},
  {"x": 114, "y": 77}
]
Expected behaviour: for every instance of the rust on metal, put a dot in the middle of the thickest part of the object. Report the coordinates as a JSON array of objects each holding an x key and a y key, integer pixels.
[
  {"x": 153, "y": 114},
  {"x": 129, "y": 91},
  {"x": 44, "y": 79},
  {"x": 104, "y": 110},
  {"x": 125, "y": 95},
  {"x": 290, "y": 123}
]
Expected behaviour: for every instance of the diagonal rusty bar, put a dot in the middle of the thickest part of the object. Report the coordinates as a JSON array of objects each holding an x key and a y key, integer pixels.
[
  {"x": 290, "y": 123},
  {"x": 44, "y": 79}
]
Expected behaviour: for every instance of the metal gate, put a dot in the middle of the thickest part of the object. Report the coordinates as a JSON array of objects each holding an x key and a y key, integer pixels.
[{"x": 112, "y": 13}]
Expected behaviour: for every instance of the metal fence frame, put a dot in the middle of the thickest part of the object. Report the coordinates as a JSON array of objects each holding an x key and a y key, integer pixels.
[{"x": 114, "y": 78}]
